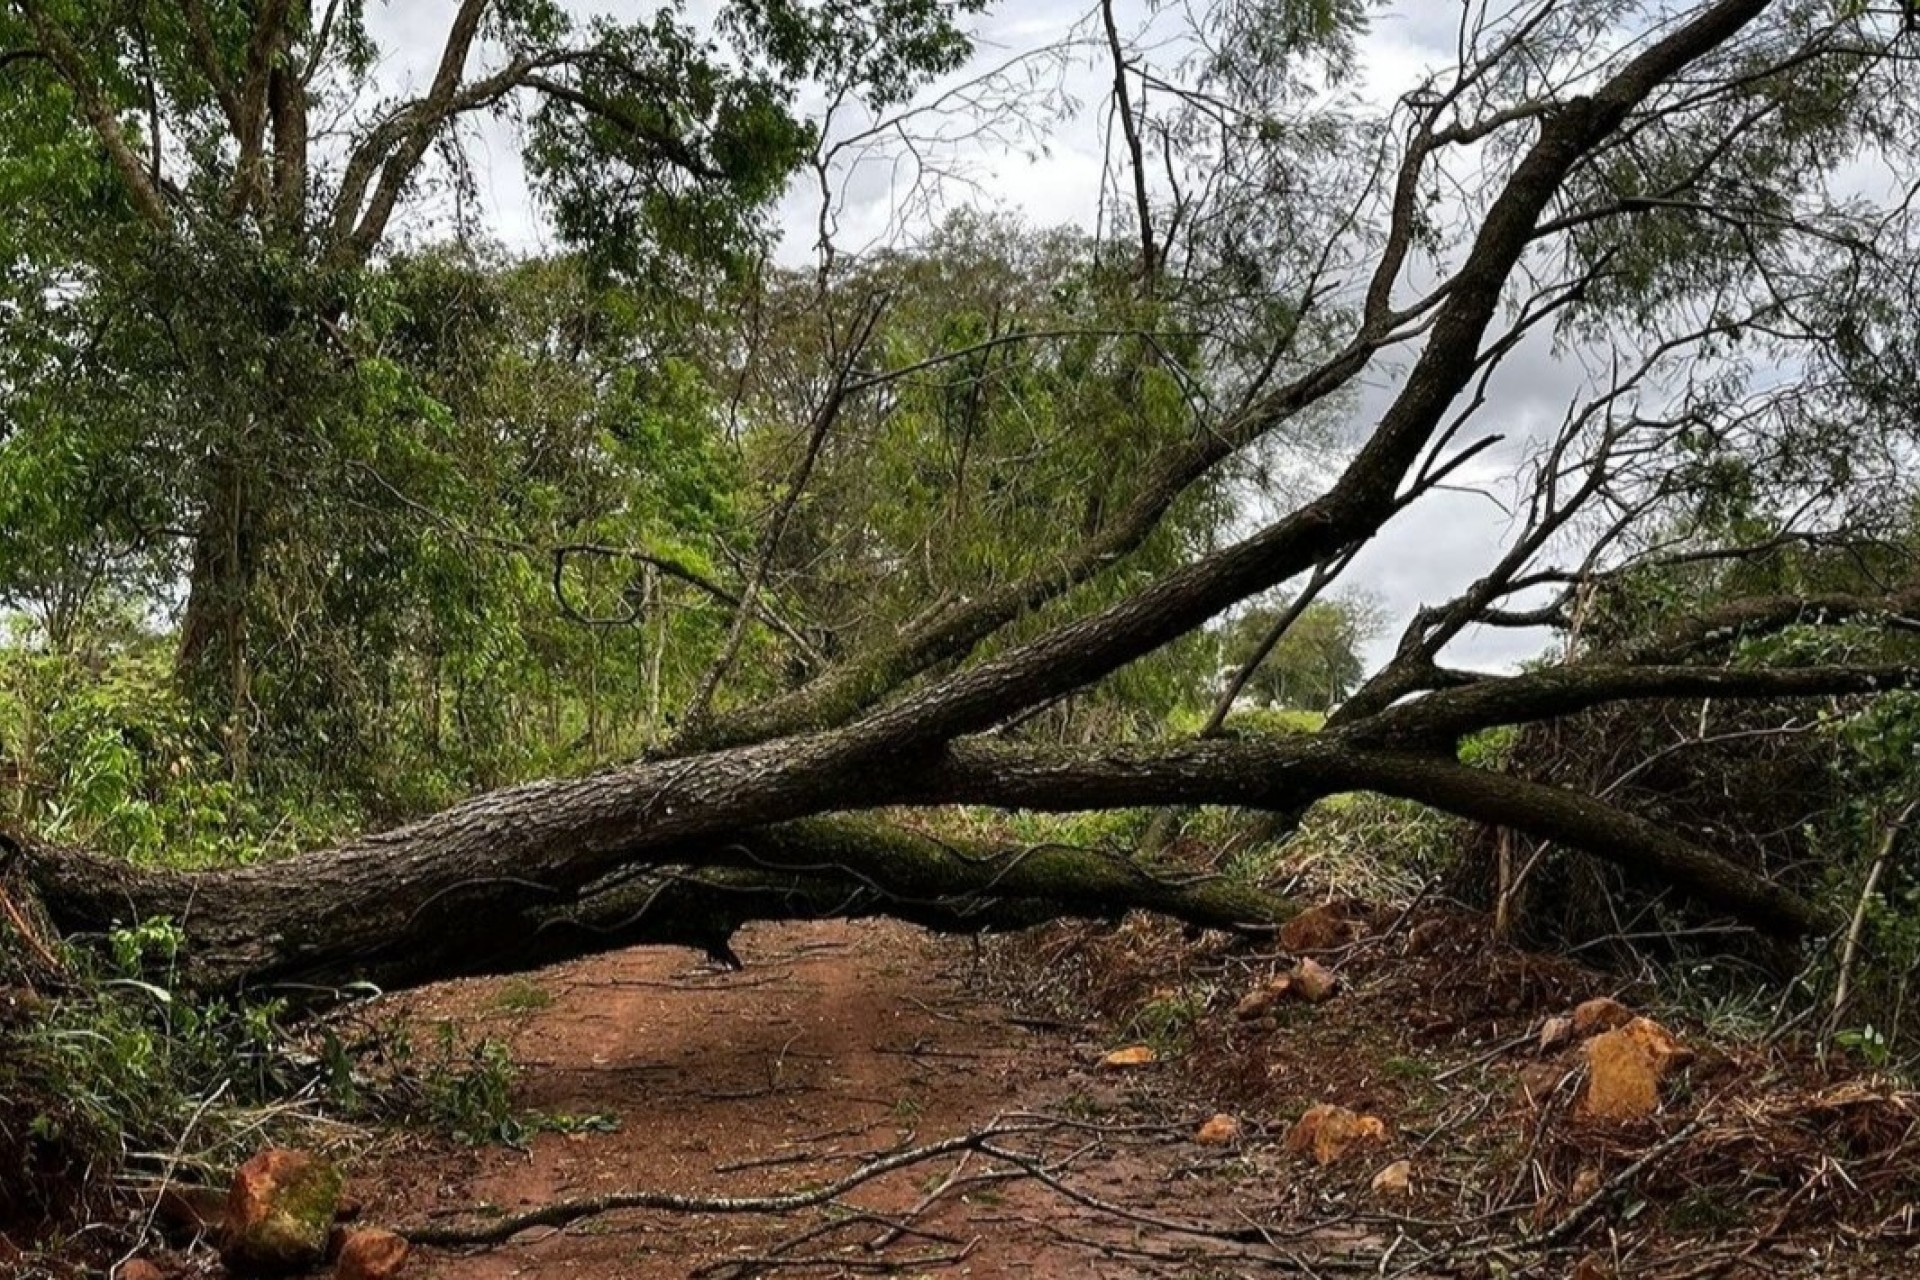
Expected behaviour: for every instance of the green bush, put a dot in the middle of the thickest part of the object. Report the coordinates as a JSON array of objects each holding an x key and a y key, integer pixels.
[{"x": 106, "y": 754}]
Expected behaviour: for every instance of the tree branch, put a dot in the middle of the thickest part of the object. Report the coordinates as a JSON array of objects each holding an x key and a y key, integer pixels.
[{"x": 100, "y": 114}]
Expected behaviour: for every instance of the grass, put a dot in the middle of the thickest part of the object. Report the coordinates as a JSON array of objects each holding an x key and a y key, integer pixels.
[
  {"x": 1166, "y": 1021},
  {"x": 520, "y": 995}
]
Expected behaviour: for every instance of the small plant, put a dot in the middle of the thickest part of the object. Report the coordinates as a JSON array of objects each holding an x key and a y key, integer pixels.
[
  {"x": 1081, "y": 1106},
  {"x": 1404, "y": 1068},
  {"x": 469, "y": 1091},
  {"x": 117, "y": 1066},
  {"x": 1166, "y": 1021},
  {"x": 1869, "y": 1043},
  {"x": 522, "y": 995}
]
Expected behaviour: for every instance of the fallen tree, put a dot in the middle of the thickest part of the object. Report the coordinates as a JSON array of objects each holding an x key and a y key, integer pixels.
[{"x": 747, "y": 817}]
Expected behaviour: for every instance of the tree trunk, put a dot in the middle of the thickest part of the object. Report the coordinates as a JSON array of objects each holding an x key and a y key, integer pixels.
[
  {"x": 212, "y": 663},
  {"x": 239, "y": 931},
  {"x": 498, "y": 880}
]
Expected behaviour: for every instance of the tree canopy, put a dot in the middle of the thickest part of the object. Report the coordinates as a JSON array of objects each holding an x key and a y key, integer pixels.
[{"x": 726, "y": 553}]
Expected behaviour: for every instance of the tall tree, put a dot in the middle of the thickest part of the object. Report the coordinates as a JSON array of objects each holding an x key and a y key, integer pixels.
[{"x": 163, "y": 173}]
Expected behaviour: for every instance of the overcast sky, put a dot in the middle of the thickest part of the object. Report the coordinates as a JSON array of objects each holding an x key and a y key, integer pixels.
[{"x": 1426, "y": 555}]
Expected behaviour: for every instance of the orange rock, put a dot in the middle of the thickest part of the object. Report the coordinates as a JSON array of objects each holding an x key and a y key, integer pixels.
[
  {"x": 1137, "y": 1055},
  {"x": 1218, "y": 1132},
  {"x": 1329, "y": 1132},
  {"x": 279, "y": 1211},
  {"x": 1602, "y": 1013},
  {"x": 1625, "y": 1067},
  {"x": 1394, "y": 1180},
  {"x": 1320, "y": 928},
  {"x": 139, "y": 1269},
  {"x": 1314, "y": 981},
  {"x": 371, "y": 1255},
  {"x": 1262, "y": 998}
]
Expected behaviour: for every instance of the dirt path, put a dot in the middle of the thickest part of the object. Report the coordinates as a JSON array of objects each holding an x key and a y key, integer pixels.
[
  {"x": 836, "y": 1043},
  {"x": 840, "y": 1042}
]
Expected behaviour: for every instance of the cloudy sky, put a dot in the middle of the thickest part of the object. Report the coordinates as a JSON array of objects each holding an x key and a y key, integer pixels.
[{"x": 1053, "y": 175}]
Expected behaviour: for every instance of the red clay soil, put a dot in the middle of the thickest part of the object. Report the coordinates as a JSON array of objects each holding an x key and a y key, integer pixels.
[
  {"x": 837, "y": 1042},
  {"x": 843, "y": 1042},
  {"x": 840, "y": 1042}
]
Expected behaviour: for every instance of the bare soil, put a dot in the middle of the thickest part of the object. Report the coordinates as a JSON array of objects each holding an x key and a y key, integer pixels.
[{"x": 840, "y": 1043}]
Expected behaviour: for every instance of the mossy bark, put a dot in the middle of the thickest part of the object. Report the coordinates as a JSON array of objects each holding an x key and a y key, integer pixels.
[{"x": 695, "y": 894}]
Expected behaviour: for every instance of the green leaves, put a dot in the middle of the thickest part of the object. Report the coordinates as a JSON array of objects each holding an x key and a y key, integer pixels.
[{"x": 879, "y": 50}]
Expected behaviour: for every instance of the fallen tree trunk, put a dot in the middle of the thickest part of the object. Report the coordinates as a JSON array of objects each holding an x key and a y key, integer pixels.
[
  {"x": 547, "y": 869},
  {"x": 695, "y": 895},
  {"x": 530, "y": 875}
]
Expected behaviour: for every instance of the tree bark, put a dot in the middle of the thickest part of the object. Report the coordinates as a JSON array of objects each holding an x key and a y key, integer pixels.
[
  {"x": 695, "y": 895},
  {"x": 492, "y": 879}
]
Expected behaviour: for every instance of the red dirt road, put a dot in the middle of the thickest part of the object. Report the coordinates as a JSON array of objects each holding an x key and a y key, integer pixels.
[{"x": 836, "y": 1043}]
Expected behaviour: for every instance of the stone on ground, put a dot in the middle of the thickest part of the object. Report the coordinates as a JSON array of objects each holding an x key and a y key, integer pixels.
[
  {"x": 1262, "y": 998},
  {"x": 1135, "y": 1055},
  {"x": 1329, "y": 1131},
  {"x": 371, "y": 1255},
  {"x": 280, "y": 1209},
  {"x": 1625, "y": 1068},
  {"x": 1320, "y": 928},
  {"x": 1602, "y": 1013},
  {"x": 1313, "y": 981},
  {"x": 1394, "y": 1180},
  {"x": 1218, "y": 1131}
]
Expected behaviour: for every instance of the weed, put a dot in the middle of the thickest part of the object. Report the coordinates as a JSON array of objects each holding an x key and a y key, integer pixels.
[
  {"x": 521, "y": 995},
  {"x": 1166, "y": 1021},
  {"x": 1705, "y": 1209},
  {"x": 1081, "y": 1106},
  {"x": 469, "y": 1090},
  {"x": 116, "y": 1066},
  {"x": 1404, "y": 1068}
]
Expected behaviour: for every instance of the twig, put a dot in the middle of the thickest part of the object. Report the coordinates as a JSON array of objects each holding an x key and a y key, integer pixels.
[
  {"x": 1505, "y": 1046},
  {"x": 27, "y": 935},
  {"x": 1843, "y": 982},
  {"x": 742, "y": 1267},
  {"x": 1578, "y": 1215},
  {"x": 564, "y": 1212}
]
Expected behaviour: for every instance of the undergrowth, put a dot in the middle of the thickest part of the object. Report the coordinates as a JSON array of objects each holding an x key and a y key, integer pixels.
[{"x": 112, "y": 1085}]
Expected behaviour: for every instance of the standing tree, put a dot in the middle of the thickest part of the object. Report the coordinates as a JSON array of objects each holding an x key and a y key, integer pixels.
[
  {"x": 1659, "y": 185},
  {"x": 1316, "y": 659},
  {"x": 209, "y": 188}
]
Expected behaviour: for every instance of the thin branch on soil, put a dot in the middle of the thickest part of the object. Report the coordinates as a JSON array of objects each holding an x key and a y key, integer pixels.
[
  {"x": 956, "y": 1178},
  {"x": 740, "y": 1268},
  {"x": 1046, "y": 1177},
  {"x": 1577, "y": 1216},
  {"x": 565, "y": 1212},
  {"x": 1498, "y": 1050}
]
